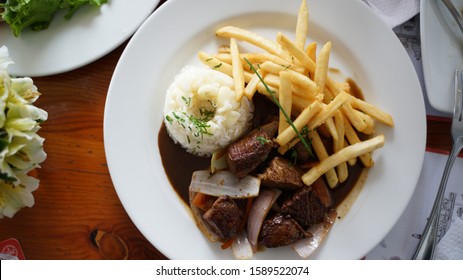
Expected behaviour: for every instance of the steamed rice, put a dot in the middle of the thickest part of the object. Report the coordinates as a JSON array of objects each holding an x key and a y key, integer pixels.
[{"x": 201, "y": 112}]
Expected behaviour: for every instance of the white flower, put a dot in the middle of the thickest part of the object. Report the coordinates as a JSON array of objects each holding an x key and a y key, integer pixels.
[{"x": 21, "y": 148}]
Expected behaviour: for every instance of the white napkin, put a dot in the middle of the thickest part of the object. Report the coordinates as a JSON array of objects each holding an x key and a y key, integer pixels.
[
  {"x": 394, "y": 12},
  {"x": 402, "y": 241},
  {"x": 450, "y": 247}
]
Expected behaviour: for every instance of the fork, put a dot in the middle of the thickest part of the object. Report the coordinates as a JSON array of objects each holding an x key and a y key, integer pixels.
[{"x": 427, "y": 245}]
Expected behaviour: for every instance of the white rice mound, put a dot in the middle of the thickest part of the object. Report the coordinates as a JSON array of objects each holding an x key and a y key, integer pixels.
[{"x": 201, "y": 112}]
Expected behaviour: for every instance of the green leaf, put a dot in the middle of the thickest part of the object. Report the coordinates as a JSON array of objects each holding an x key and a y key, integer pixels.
[{"x": 37, "y": 14}]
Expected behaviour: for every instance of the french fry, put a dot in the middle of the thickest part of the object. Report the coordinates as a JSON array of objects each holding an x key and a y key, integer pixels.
[
  {"x": 305, "y": 94},
  {"x": 299, "y": 104},
  {"x": 369, "y": 121},
  {"x": 328, "y": 110},
  {"x": 352, "y": 161},
  {"x": 237, "y": 69},
  {"x": 328, "y": 95},
  {"x": 297, "y": 78},
  {"x": 343, "y": 155},
  {"x": 302, "y": 25},
  {"x": 251, "y": 87},
  {"x": 221, "y": 66},
  {"x": 288, "y": 134},
  {"x": 254, "y": 39},
  {"x": 331, "y": 128},
  {"x": 372, "y": 111},
  {"x": 353, "y": 138},
  {"x": 309, "y": 86},
  {"x": 312, "y": 51},
  {"x": 321, "y": 67},
  {"x": 259, "y": 58},
  {"x": 273, "y": 67},
  {"x": 285, "y": 99},
  {"x": 328, "y": 125},
  {"x": 303, "y": 98},
  {"x": 216, "y": 64},
  {"x": 343, "y": 86},
  {"x": 273, "y": 80},
  {"x": 338, "y": 144},
  {"x": 262, "y": 90},
  {"x": 322, "y": 154},
  {"x": 353, "y": 117},
  {"x": 299, "y": 54},
  {"x": 224, "y": 50}
]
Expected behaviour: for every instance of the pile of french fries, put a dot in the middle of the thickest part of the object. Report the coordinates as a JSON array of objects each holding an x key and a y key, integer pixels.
[{"x": 299, "y": 78}]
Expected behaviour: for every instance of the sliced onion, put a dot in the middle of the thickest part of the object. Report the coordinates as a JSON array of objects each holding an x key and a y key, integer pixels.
[
  {"x": 219, "y": 161},
  {"x": 224, "y": 183},
  {"x": 259, "y": 210},
  {"x": 198, "y": 217},
  {"x": 307, "y": 246},
  {"x": 241, "y": 247}
]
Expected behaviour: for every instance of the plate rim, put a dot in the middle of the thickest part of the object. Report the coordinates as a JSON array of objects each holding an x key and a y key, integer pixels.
[{"x": 82, "y": 21}]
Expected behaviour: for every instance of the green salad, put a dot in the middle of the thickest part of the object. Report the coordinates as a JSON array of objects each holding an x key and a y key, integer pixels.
[{"x": 37, "y": 14}]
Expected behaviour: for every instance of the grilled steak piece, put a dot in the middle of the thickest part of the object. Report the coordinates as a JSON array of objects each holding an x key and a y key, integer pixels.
[
  {"x": 323, "y": 193},
  {"x": 281, "y": 231},
  {"x": 247, "y": 153},
  {"x": 271, "y": 128},
  {"x": 305, "y": 207},
  {"x": 281, "y": 173},
  {"x": 303, "y": 155},
  {"x": 224, "y": 217}
]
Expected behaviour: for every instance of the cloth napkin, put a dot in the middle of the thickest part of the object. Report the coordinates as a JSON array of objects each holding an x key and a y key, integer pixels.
[
  {"x": 394, "y": 12},
  {"x": 450, "y": 247}
]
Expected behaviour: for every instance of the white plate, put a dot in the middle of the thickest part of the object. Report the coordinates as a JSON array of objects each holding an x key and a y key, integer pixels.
[
  {"x": 69, "y": 44},
  {"x": 364, "y": 48},
  {"x": 442, "y": 52}
]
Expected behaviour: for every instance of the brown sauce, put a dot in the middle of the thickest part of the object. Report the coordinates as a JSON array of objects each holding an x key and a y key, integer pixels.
[{"x": 179, "y": 164}]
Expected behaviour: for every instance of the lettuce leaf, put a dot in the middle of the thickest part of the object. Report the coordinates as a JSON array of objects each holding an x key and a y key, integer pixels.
[{"x": 37, "y": 14}]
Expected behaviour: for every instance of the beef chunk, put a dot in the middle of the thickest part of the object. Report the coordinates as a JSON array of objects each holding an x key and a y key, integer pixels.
[
  {"x": 224, "y": 217},
  {"x": 305, "y": 207},
  {"x": 271, "y": 128},
  {"x": 246, "y": 154},
  {"x": 303, "y": 155},
  {"x": 281, "y": 231},
  {"x": 281, "y": 173},
  {"x": 323, "y": 192}
]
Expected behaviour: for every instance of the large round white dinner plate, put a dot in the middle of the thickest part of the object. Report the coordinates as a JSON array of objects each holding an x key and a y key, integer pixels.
[
  {"x": 363, "y": 48},
  {"x": 66, "y": 45},
  {"x": 442, "y": 52}
]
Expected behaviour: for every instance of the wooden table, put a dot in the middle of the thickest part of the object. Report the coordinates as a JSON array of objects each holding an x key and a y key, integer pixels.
[{"x": 76, "y": 202}]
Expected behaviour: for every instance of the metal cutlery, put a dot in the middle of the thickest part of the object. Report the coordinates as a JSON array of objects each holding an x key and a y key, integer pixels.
[{"x": 427, "y": 245}]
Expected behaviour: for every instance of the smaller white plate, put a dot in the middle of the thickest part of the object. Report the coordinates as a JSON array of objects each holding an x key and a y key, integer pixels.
[
  {"x": 66, "y": 45},
  {"x": 442, "y": 52}
]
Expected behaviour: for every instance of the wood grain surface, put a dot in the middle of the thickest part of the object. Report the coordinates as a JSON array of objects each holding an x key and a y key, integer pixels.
[{"x": 77, "y": 213}]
